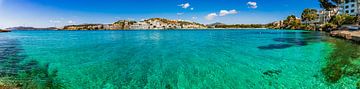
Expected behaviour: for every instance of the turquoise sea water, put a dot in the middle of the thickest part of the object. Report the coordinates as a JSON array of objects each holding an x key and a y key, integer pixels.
[{"x": 185, "y": 59}]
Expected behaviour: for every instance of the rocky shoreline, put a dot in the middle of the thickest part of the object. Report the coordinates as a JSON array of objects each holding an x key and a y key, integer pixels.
[{"x": 349, "y": 35}]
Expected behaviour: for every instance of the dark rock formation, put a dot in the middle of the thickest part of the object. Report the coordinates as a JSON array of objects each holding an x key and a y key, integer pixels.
[
  {"x": 272, "y": 72},
  {"x": 275, "y": 46}
]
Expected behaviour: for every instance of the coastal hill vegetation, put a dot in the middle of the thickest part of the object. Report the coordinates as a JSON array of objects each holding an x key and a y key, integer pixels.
[
  {"x": 176, "y": 22},
  {"x": 308, "y": 19},
  {"x": 312, "y": 19},
  {"x": 309, "y": 15},
  {"x": 121, "y": 24}
]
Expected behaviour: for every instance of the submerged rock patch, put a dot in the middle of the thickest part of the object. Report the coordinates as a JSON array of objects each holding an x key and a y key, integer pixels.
[
  {"x": 303, "y": 39},
  {"x": 272, "y": 72},
  {"x": 275, "y": 46},
  {"x": 15, "y": 74},
  {"x": 295, "y": 41}
]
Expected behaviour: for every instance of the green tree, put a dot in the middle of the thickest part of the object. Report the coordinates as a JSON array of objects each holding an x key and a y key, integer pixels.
[
  {"x": 309, "y": 15},
  {"x": 350, "y": 19},
  {"x": 328, "y": 26},
  {"x": 338, "y": 20},
  {"x": 343, "y": 19},
  {"x": 292, "y": 22}
]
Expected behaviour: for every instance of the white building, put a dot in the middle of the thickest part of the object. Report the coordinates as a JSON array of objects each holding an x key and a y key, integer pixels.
[
  {"x": 278, "y": 24},
  {"x": 156, "y": 24},
  {"x": 325, "y": 16},
  {"x": 191, "y": 26},
  {"x": 351, "y": 7},
  {"x": 159, "y": 23},
  {"x": 140, "y": 25}
]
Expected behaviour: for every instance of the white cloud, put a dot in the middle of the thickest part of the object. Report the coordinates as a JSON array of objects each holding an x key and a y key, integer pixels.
[
  {"x": 191, "y": 8},
  {"x": 193, "y": 18},
  {"x": 225, "y": 12},
  {"x": 180, "y": 13},
  {"x": 131, "y": 19},
  {"x": 186, "y": 5},
  {"x": 71, "y": 22},
  {"x": 117, "y": 17},
  {"x": 211, "y": 16},
  {"x": 252, "y": 5},
  {"x": 54, "y": 21}
]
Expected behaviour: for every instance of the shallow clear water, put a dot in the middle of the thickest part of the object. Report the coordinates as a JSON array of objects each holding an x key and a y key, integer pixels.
[{"x": 221, "y": 59}]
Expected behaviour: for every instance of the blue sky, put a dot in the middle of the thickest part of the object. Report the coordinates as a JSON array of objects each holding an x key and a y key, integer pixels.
[{"x": 46, "y": 13}]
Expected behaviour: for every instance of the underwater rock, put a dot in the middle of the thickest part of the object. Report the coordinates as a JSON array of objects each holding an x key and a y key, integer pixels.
[
  {"x": 168, "y": 86},
  {"x": 272, "y": 72},
  {"x": 275, "y": 46},
  {"x": 333, "y": 75}
]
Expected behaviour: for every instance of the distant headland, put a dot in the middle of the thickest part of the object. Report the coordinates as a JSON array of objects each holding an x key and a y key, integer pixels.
[
  {"x": 32, "y": 28},
  {"x": 1, "y": 30}
]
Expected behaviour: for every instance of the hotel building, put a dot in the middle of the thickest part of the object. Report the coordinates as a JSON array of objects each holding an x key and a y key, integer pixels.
[{"x": 351, "y": 7}]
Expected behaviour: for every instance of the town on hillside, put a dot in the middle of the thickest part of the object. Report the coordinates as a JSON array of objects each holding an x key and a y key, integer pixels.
[
  {"x": 153, "y": 23},
  {"x": 157, "y": 23}
]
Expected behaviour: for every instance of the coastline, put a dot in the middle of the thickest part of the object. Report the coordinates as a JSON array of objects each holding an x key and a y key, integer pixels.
[
  {"x": 348, "y": 35},
  {"x": 164, "y": 29}
]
